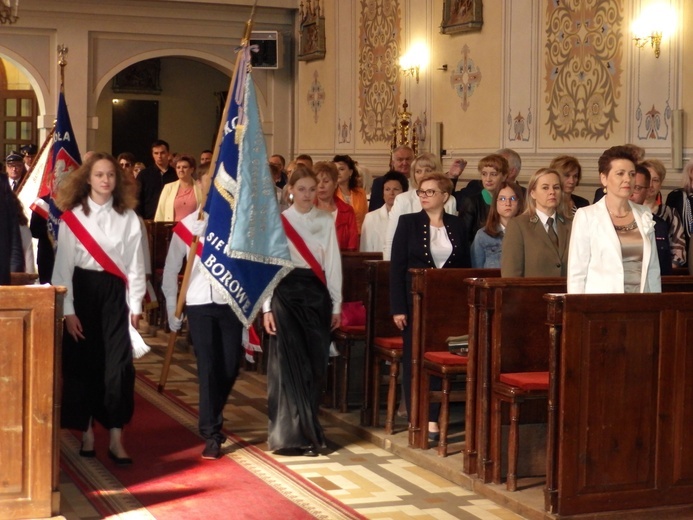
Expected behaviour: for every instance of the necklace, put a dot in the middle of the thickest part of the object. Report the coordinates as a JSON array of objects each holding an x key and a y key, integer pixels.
[
  {"x": 628, "y": 227},
  {"x": 619, "y": 216}
]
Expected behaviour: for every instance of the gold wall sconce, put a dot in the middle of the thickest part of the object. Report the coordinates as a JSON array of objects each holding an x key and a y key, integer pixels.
[
  {"x": 414, "y": 60},
  {"x": 655, "y": 24}
]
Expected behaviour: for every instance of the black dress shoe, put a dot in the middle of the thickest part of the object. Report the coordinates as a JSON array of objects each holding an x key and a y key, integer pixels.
[
  {"x": 212, "y": 450},
  {"x": 89, "y": 454},
  {"x": 121, "y": 461},
  {"x": 311, "y": 451},
  {"x": 289, "y": 452}
]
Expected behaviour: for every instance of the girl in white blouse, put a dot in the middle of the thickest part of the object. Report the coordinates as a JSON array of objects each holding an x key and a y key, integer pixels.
[
  {"x": 102, "y": 300},
  {"x": 304, "y": 309}
]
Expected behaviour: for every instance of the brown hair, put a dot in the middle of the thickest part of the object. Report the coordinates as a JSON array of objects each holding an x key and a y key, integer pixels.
[
  {"x": 496, "y": 161},
  {"x": 444, "y": 184},
  {"x": 327, "y": 167},
  {"x": 657, "y": 166},
  {"x": 493, "y": 219},
  {"x": 75, "y": 188},
  {"x": 567, "y": 163},
  {"x": 301, "y": 172},
  {"x": 612, "y": 154}
]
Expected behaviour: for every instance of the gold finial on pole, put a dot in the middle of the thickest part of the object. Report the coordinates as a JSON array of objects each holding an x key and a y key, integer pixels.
[
  {"x": 249, "y": 27},
  {"x": 62, "y": 52}
]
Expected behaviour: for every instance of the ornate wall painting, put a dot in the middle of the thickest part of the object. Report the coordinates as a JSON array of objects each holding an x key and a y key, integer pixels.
[
  {"x": 316, "y": 96},
  {"x": 311, "y": 40},
  {"x": 344, "y": 131},
  {"x": 519, "y": 126},
  {"x": 584, "y": 67},
  {"x": 465, "y": 78},
  {"x": 462, "y": 16},
  {"x": 379, "y": 49},
  {"x": 653, "y": 124}
]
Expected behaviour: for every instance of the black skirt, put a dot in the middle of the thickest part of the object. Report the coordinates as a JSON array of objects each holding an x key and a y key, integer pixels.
[
  {"x": 297, "y": 360},
  {"x": 98, "y": 373}
]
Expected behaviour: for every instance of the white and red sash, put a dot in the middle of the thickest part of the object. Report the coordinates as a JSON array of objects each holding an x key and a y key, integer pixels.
[
  {"x": 187, "y": 237},
  {"x": 302, "y": 248},
  {"x": 107, "y": 256}
]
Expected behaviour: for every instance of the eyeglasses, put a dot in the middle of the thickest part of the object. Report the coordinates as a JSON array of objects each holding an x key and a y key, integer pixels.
[
  {"x": 506, "y": 199},
  {"x": 639, "y": 188},
  {"x": 427, "y": 193}
]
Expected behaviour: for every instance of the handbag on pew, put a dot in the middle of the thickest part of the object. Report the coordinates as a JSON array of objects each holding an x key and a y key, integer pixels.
[
  {"x": 353, "y": 314},
  {"x": 458, "y": 345}
]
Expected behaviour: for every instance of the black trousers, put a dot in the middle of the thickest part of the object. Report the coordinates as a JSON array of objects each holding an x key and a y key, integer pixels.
[
  {"x": 217, "y": 336},
  {"x": 98, "y": 374},
  {"x": 297, "y": 360}
]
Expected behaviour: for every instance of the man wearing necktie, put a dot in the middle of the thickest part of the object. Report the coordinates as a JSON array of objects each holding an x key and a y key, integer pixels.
[{"x": 14, "y": 166}]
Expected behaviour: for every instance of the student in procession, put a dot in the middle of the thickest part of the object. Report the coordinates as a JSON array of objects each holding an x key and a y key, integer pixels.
[
  {"x": 99, "y": 260},
  {"x": 303, "y": 310},
  {"x": 215, "y": 330}
]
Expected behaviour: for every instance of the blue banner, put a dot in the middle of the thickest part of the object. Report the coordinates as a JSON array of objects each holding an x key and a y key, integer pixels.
[
  {"x": 66, "y": 159},
  {"x": 246, "y": 253}
]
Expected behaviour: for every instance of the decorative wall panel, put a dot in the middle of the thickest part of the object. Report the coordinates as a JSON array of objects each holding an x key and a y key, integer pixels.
[
  {"x": 379, "y": 49},
  {"x": 584, "y": 66}
]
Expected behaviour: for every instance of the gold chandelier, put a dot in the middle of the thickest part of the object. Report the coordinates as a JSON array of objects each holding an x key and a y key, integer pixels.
[{"x": 8, "y": 11}]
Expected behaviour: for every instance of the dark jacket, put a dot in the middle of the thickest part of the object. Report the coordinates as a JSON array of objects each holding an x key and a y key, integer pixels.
[
  {"x": 411, "y": 249},
  {"x": 473, "y": 211},
  {"x": 151, "y": 181},
  {"x": 11, "y": 253},
  {"x": 45, "y": 255}
]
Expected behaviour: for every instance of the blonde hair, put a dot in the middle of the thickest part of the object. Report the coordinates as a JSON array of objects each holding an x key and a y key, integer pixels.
[{"x": 531, "y": 205}]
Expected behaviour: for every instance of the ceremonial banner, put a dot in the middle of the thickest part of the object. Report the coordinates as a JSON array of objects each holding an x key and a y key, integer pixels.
[
  {"x": 66, "y": 159},
  {"x": 30, "y": 189},
  {"x": 245, "y": 253}
]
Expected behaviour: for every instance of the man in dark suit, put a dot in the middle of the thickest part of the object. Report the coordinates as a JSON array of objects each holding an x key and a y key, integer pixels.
[
  {"x": 11, "y": 253},
  {"x": 151, "y": 180},
  {"x": 401, "y": 160},
  {"x": 14, "y": 167}
]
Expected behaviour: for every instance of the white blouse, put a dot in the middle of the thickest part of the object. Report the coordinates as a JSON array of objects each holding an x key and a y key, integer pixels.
[
  {"x": 317, "y": 230},
  {"x": 405, "y": 203},
  {"x": 374, "y": 230},
  {"x": 124, "y": 230},
  {"x": 441, "y": 247}
]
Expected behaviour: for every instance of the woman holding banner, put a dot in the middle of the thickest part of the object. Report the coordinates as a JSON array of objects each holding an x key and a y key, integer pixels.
[
  {"x": 99, "y": 259},
  {"x": 304, "y": 309}
]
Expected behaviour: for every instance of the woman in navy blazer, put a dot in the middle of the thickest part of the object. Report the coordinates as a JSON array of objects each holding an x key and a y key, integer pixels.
[{"x": 430, "y": 238}]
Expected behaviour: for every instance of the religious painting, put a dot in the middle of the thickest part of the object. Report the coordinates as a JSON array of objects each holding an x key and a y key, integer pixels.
[
  {"x": 461, "y": 16},
  {"x": 139, "y": 78},
  {"x": 311, "y": 44}
]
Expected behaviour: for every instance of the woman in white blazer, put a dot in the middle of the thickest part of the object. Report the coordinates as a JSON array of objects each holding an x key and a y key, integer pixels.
[
  {"x": 180, "y": 198},
  {"x": 612, "y": 244}
]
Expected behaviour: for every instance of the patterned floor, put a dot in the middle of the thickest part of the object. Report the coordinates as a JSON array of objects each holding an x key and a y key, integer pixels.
[{"x": 378, "y": 483}]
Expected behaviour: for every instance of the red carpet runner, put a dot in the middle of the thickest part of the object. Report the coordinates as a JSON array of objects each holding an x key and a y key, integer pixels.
[{"x": 169, "y": 480}]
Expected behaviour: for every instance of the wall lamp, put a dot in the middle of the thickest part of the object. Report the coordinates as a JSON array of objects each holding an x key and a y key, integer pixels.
[
  {"x": 655, "y": 24},
  {"x": 414, "y": 60}
]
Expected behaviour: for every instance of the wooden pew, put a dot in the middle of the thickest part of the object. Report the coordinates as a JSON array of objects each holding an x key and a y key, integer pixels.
[
  {"x": 379, "y": 324},
  {"x": 354, "y": 289},
  {"x": 509, "y": 314},
  {"x": 31, "y": 323},
  {"x": 499, "y": 308},
  {"x": 439, "y": 311},
  {"x": 621, "y": 404},
  {"x": 159, "y": 234}
]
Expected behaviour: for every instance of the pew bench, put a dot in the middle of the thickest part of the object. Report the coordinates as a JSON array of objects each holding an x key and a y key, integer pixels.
[
  {"x": 620, "y": 405},
  {"x": 439, "y": 311}
]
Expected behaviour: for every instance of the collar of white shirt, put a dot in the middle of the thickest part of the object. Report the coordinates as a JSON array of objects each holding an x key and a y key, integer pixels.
[{"x": 544, "y": 217}]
